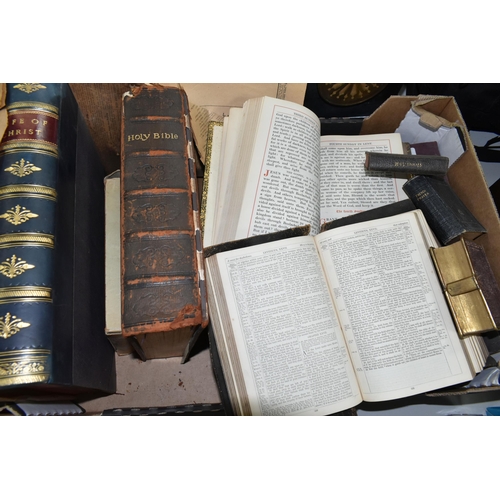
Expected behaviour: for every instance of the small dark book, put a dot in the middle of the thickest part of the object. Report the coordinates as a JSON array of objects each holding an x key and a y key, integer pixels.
[
  {"x": 421, "y": 148},
  {"x": 163, "y": 288},
  {"x": 51, "y": 251},
  {"x": 406, "y": 164},
  {"x": 445, "y": 212}
]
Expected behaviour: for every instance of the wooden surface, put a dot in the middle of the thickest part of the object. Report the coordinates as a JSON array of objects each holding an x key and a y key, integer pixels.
[{"x": 101, "y": 107}]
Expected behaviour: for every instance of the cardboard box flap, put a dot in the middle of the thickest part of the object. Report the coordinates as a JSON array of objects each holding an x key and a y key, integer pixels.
[{"x": 465, "y": 175}]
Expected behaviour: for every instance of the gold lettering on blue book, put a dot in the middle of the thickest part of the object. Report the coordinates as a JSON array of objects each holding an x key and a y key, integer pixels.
[
  {"x": 14, "y": 267},
  {"x": 22, "y": 168},
  {"x": 10, "y": 325},
  {"x": 18, "y": 215},
  {"x": 29, "y": 87}
]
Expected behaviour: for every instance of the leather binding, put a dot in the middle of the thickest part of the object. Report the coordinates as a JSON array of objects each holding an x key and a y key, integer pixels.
[
  {"x": 51, "y": 251},
  {"x": 469, "y": 286},
  {"x": 163, "y": 288},
  {"x": 389, "y": 210},
  {"x": 445, "y": 212},
  {"x": 406, "y": 164}
]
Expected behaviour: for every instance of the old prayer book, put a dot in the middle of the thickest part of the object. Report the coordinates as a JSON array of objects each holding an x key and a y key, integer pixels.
[
  {"x": 314, "y": 325},
  {"x": 272, "y": 170}
]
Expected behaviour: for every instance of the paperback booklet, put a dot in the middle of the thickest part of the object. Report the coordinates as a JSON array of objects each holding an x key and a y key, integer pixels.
[
  {"x": 270, "y": 169},
  {"x": 316, "y": 324}
]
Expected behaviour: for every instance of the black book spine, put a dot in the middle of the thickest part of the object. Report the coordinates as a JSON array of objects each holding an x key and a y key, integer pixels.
[
  {"x": 445, "y": 212},
  {"x": 407, "y": 164},
  {"x": 28, "y": 198}
]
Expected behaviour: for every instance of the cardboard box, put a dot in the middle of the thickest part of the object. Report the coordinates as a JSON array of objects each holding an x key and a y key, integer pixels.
[{"x": 465, "y": 175}]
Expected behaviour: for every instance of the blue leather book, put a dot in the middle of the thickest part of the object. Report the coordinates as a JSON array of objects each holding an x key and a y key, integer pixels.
[{"x": 52, "y": 341}]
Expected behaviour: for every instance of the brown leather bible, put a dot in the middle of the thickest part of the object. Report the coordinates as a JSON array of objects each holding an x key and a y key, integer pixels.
[{"x": 163, "y": 289}]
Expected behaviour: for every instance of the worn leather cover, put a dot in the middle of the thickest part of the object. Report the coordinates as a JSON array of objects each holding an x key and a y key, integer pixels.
[
  {"x": 51, "y": 251},
  {"x": 406, "y": 164},
  {"x": 163, "y": 290},
  {"x": 445, "y": 212}
]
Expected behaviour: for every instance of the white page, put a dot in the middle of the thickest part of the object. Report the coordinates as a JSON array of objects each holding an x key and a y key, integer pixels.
[
  {"x": 397, "y": 324},
  {"x": 291, "y": 349},
  {"x": 346, "y": 187},
  {"x": 282, "y": 187}
]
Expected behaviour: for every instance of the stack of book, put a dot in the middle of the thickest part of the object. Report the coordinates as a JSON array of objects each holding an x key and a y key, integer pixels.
[{"x": 359, "y": 306}]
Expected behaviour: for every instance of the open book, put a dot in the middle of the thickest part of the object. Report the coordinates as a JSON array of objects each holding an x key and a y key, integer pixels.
[
  {"x": 316, "y": 324},
  {"x": 270, "y": 169}
]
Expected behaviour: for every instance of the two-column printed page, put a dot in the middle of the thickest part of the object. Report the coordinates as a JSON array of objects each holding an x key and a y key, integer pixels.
[
  {"x": 397, "y": 325},
  {"x": 291, "y": 351}
]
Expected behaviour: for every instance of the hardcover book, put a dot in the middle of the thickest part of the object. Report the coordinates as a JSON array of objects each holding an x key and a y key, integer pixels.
[
  {"x": 469, "y": 286},
  {"x": 406, "y": 164},
  {"x": 445, "y": 212},
  {"x": 163, "y": 289},
  {"x": 314, "y": 325},
  {"x": 51, "y": 251},
  {"x": 113, "y": 329}
]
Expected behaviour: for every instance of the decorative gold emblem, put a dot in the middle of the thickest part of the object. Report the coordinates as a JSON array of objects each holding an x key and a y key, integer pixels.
[
  {"x": 9, "y": 328},
  {"x": 348, "y": 94},
  {"x": 22, "y": 168},
  {"x": 29, "y": 87},
  {"x": 14, "y": 267},
  {"x": 18, "y": 215}
]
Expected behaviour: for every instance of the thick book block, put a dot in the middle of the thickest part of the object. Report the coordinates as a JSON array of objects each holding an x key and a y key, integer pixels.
[
  {"x": 51, "y": 251},
  {"x": 469, "y": 286},
  {"x": 163, "y": 290},
  {"x": 113, "y": 328},
  {"x": 445, "y": 212}
]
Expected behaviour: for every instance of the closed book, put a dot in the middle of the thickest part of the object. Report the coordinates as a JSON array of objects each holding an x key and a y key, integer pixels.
[
  {"x": 445, "y": 212},
  {"x": 421, "y": 148},
  {"x": 113, "y": 329},
  {"x": 51, "y": 251},
  {"x": 469, "y": 286},
  {"x": 406, "y": 164},
  {"x": 163, "y": 288}
]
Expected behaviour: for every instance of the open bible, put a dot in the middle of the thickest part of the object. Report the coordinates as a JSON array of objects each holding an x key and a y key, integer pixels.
[
  {"x": 270, "y": 169},
  {"x": 316, "y": 324}
]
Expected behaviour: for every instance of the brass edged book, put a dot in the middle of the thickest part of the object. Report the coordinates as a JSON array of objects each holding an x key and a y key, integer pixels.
[
  {"x": 469, "y": 286},
  {"x": 314, "y": 325}
]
